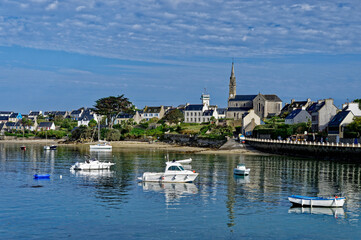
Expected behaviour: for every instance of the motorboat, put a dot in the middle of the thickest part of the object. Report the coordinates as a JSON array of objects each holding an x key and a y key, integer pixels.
[
  {"x": 241, "y": 169},
  {"x": 185, "y": 161},
  {"x": 51, "y": 147},
  {"x": 91, "y": 164},
  {"x": 317, "y": 201},
  {"x": 101, "y": 146},
  {"x": 23, "y": 148},
  {"x": 174, "y": 172}
]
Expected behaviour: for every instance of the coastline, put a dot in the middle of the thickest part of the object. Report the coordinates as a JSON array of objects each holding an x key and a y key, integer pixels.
[{"x": 143, "y": 145}]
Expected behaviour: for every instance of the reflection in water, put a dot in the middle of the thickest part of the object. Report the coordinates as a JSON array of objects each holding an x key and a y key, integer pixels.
[
  {"x": 93, "y": 175},
  {"x": 172, "y": 191},
  {"x": 242, "y": 179},
  {"x": 336, "y": 212}
]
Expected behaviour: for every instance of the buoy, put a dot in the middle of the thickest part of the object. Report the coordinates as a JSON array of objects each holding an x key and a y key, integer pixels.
[{"x": 61, "y": 176}]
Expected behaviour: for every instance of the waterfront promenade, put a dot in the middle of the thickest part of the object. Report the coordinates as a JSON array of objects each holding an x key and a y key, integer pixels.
[{"x": 332, "y": 151}]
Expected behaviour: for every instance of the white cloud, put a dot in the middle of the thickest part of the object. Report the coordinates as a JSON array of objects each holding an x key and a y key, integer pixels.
[{"x": 52, "y": 6}]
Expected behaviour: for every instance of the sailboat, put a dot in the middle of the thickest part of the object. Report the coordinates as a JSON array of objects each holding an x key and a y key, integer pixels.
[
  {"x": 48, "y": 147},
  {"x": 102, "y": 145}
]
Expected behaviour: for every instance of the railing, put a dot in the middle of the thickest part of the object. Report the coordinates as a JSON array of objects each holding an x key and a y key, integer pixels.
[{"x": 358, "y": 145}]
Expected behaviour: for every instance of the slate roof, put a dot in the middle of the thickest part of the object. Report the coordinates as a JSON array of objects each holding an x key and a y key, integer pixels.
[
  {"x": 4, "y": 118},
  {"x": 338, "y": 118},
  {"x": 34, "y": 113},
  {"x": 208, "y": 113},
  {"x": 272, "y": 97},
  {"x": 238, "y": 109},
  {"x": 152, "y": 109},
  {"x": 293, "y": 114},
  {"x": 76, "y": 112},
  {"x": 194, "y": 107},
  {"x": 243, "y": 98},
  {"x": 221, "y": 110},
  {"x": 315, "y": 107},
  {"x": 125, "y": 115},
  {"x": 14, "y": 115},
  {"x": 45, "y": 124},
  {"x": 10, "y": 124},
  {"x": 5, "y": 113}
]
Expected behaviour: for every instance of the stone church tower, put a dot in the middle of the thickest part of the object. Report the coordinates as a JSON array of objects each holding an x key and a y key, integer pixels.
[{"x": 232, "y": 84}]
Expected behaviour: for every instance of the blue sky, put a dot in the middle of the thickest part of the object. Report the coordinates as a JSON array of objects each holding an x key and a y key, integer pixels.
[{"x": 62, "y": 55}]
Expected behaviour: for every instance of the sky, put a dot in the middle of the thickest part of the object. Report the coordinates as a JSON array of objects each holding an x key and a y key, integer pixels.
[{"x": 63, "y": 55}]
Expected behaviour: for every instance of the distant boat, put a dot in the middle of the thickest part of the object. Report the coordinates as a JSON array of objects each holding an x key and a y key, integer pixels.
[
  {"x": 91, "y": 164},
  {"x": 101, "y": 146},
  {"x": 241, "y": 169},
  {"x": 41, "y": 176},
  {"x": 51, "y": 147},
  {"x": 23, "y": 148},
  {"x": 317, "y": 201}
]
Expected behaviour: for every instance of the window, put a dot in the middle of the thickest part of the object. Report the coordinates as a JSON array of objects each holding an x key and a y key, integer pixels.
[
  {"x": 187, "y": 113},
  {"x": 175, "y": 168},
  {"x": 191, "y": 114},
  {"x": 199, "y": 119}
]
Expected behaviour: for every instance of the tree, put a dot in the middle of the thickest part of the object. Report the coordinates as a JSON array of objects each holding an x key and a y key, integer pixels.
[
  {"x": 358, "y": 101},
  {"x": 26, "y": 122},
  {"x": 111, "y": 107},
  {"x": 174, "y": 116}
]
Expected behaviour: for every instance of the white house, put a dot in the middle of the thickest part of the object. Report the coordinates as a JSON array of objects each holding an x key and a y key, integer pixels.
[
  {"x": 322, "y": 112},
  {"x": 249, "y": 121},
  {"x": 338, "y": 123},
  {"x": 45, "y": 126},
  {"x": 353, "y": 107}
]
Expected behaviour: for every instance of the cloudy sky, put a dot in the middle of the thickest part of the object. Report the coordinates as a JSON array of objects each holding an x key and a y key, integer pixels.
[{"x": 62, "y": 55}]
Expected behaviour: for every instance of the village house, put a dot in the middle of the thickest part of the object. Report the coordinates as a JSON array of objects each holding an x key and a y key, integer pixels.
[
  {"x": 153, "y": 112},
  {"x": 5, "y": 113},
  {"x": 76, "y": 114},
  {"x": 354, "y": 107},
  {"x": 15, "y": 117},
  {"x": 337, "y": 125},
  {"x": 4, "y": 119},
  {"x": 321, "y": 113},
  {"x": 34, "y": 114},
  {"x": 123, "y": 117},
  {"x": 199, "y": 113},
  {"x": 289, "y": 107},
  {"x": 298, "y": 116},
  {"x": 45, "y": 126},
  {"x": 249, "y": 121},
  {"x": 86, "y": 116}
]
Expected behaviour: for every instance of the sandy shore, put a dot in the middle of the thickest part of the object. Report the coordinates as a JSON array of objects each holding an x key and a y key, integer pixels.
[{"x": 143, "y": 145}]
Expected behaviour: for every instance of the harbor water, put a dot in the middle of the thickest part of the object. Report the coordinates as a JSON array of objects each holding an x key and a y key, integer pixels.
[{"x": 218, "y": 205}]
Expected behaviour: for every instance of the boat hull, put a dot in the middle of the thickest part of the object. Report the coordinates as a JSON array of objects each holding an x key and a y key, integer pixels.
[
  {"x": 241, "y": 171},
  {"x": 91, "y": 166},
  {"x": 99, "y": 147},
  {"x": 317, "y": 201},
  {"x": 169, "y": 177}
]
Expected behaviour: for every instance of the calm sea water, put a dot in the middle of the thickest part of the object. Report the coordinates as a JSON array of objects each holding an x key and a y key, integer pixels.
[{"x": 113, "y": 205}]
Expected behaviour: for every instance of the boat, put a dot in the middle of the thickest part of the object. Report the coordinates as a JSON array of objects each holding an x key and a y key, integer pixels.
[
  {"x": 51, "y": 147},
  {"x": 23, "y": 148},
  {"x": 174, "y": 172},
  {"x": 317, "y": 201},
  {"x": 101, "y": 146},
  {"x": 241, "y": 169},
  {"x": 41, "y": 176},
  {"x": 91, "y": 164},
  {"x": 184, "y": 161}
]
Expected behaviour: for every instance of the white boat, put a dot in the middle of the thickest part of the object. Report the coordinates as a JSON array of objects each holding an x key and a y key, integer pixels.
[
  {"x": 51, "y": 147},
  {"x": 91, "y": 164},
  {"x": 241, "y": 170},
  {"x": 174, "y": 172},
  {"x": 101, "y": 146},
  {"x": 317, "y": 201},
  {"x": 184, "y": 161}
]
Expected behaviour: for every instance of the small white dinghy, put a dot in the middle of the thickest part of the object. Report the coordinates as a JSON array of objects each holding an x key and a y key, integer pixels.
[
  {"x": 91, "y": 164},
  {"x": 317, "y": 201},
  {"x": 241, "y": 169},
  {"x": 174, "y": 172},
  {"x": 101, "y": 146}
]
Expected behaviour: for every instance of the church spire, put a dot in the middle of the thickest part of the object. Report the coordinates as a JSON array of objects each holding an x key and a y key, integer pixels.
[{"x": 232, "y": 83}]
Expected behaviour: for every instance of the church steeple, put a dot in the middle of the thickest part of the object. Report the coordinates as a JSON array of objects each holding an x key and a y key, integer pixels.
[{"x": 232, "y": 84}]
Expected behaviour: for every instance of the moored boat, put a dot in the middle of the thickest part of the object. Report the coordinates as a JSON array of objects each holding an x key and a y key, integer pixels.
[
  {"x": 317, "y": 201},
  {"x": 241, "y": 170},
  {"x": 51, "y": 147},
  {"x": 41, "y": 176},
  {"x": 101, "y": 146},
  {"x": 23, "y": 148},
  {"x": 91, "y": 164},
  {"x": 174, "y": 172},
  {"x": 184, "y": 161}
]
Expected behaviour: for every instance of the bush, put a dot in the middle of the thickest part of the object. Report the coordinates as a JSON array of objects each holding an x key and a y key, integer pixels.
[{"x": 113, "y": 135}]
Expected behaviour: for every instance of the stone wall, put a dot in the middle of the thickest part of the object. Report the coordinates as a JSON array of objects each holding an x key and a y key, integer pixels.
[
  {"x": 193, "y": 141},
  {"x": 342, "y": 151}
]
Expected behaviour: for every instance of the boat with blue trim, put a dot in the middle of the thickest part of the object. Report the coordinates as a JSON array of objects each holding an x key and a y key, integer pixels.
[{"x": 317, "y": 201}]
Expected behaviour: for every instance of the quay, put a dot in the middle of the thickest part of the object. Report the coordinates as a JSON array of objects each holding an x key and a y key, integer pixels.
[{"x": 323, "y": 151}]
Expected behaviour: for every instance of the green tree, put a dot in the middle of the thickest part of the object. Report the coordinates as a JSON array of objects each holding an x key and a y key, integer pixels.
[
  {"x": 174, "y": 116},
  {"x": 26, "y": 122},
  {"x": 112, "y": 106},
  {"x": 358, "y": 101}
]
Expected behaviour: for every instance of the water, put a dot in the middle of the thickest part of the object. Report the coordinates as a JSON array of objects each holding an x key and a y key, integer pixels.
[{"x": 113, "y": 205}]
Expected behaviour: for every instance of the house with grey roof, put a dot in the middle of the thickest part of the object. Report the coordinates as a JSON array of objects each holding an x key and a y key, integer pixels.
[
  {"x": 153, "y": 112},
  {"x": 321, "y": 113},
  {"x": 354, "y": 107},
  {"x": 15, "y": 117},
  {"x": 337, "y": 125},
  {"x": 45, "y": 126},
  {"x": 289, "y": 107},
  {"x": 76, "y": 114},
  {"x": 298, "y": 116},
  {"x": 4, "y": 119},
  {"x": 249, "y": 121}
]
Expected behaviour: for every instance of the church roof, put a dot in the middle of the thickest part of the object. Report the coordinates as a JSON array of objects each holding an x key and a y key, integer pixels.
[
  {"x": 238, "y": 109},
  {"x": 272, "y": 97},
  {"x": 243, "y": 98}
]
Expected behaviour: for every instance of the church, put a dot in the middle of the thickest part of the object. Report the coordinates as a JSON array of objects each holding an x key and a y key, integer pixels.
[{"x": 264, "y": 105}]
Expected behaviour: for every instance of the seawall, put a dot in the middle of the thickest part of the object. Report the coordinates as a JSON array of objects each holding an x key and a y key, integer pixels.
[
  {"x": 192, "y": 141},
  {"x": 331, "y": 151}
]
